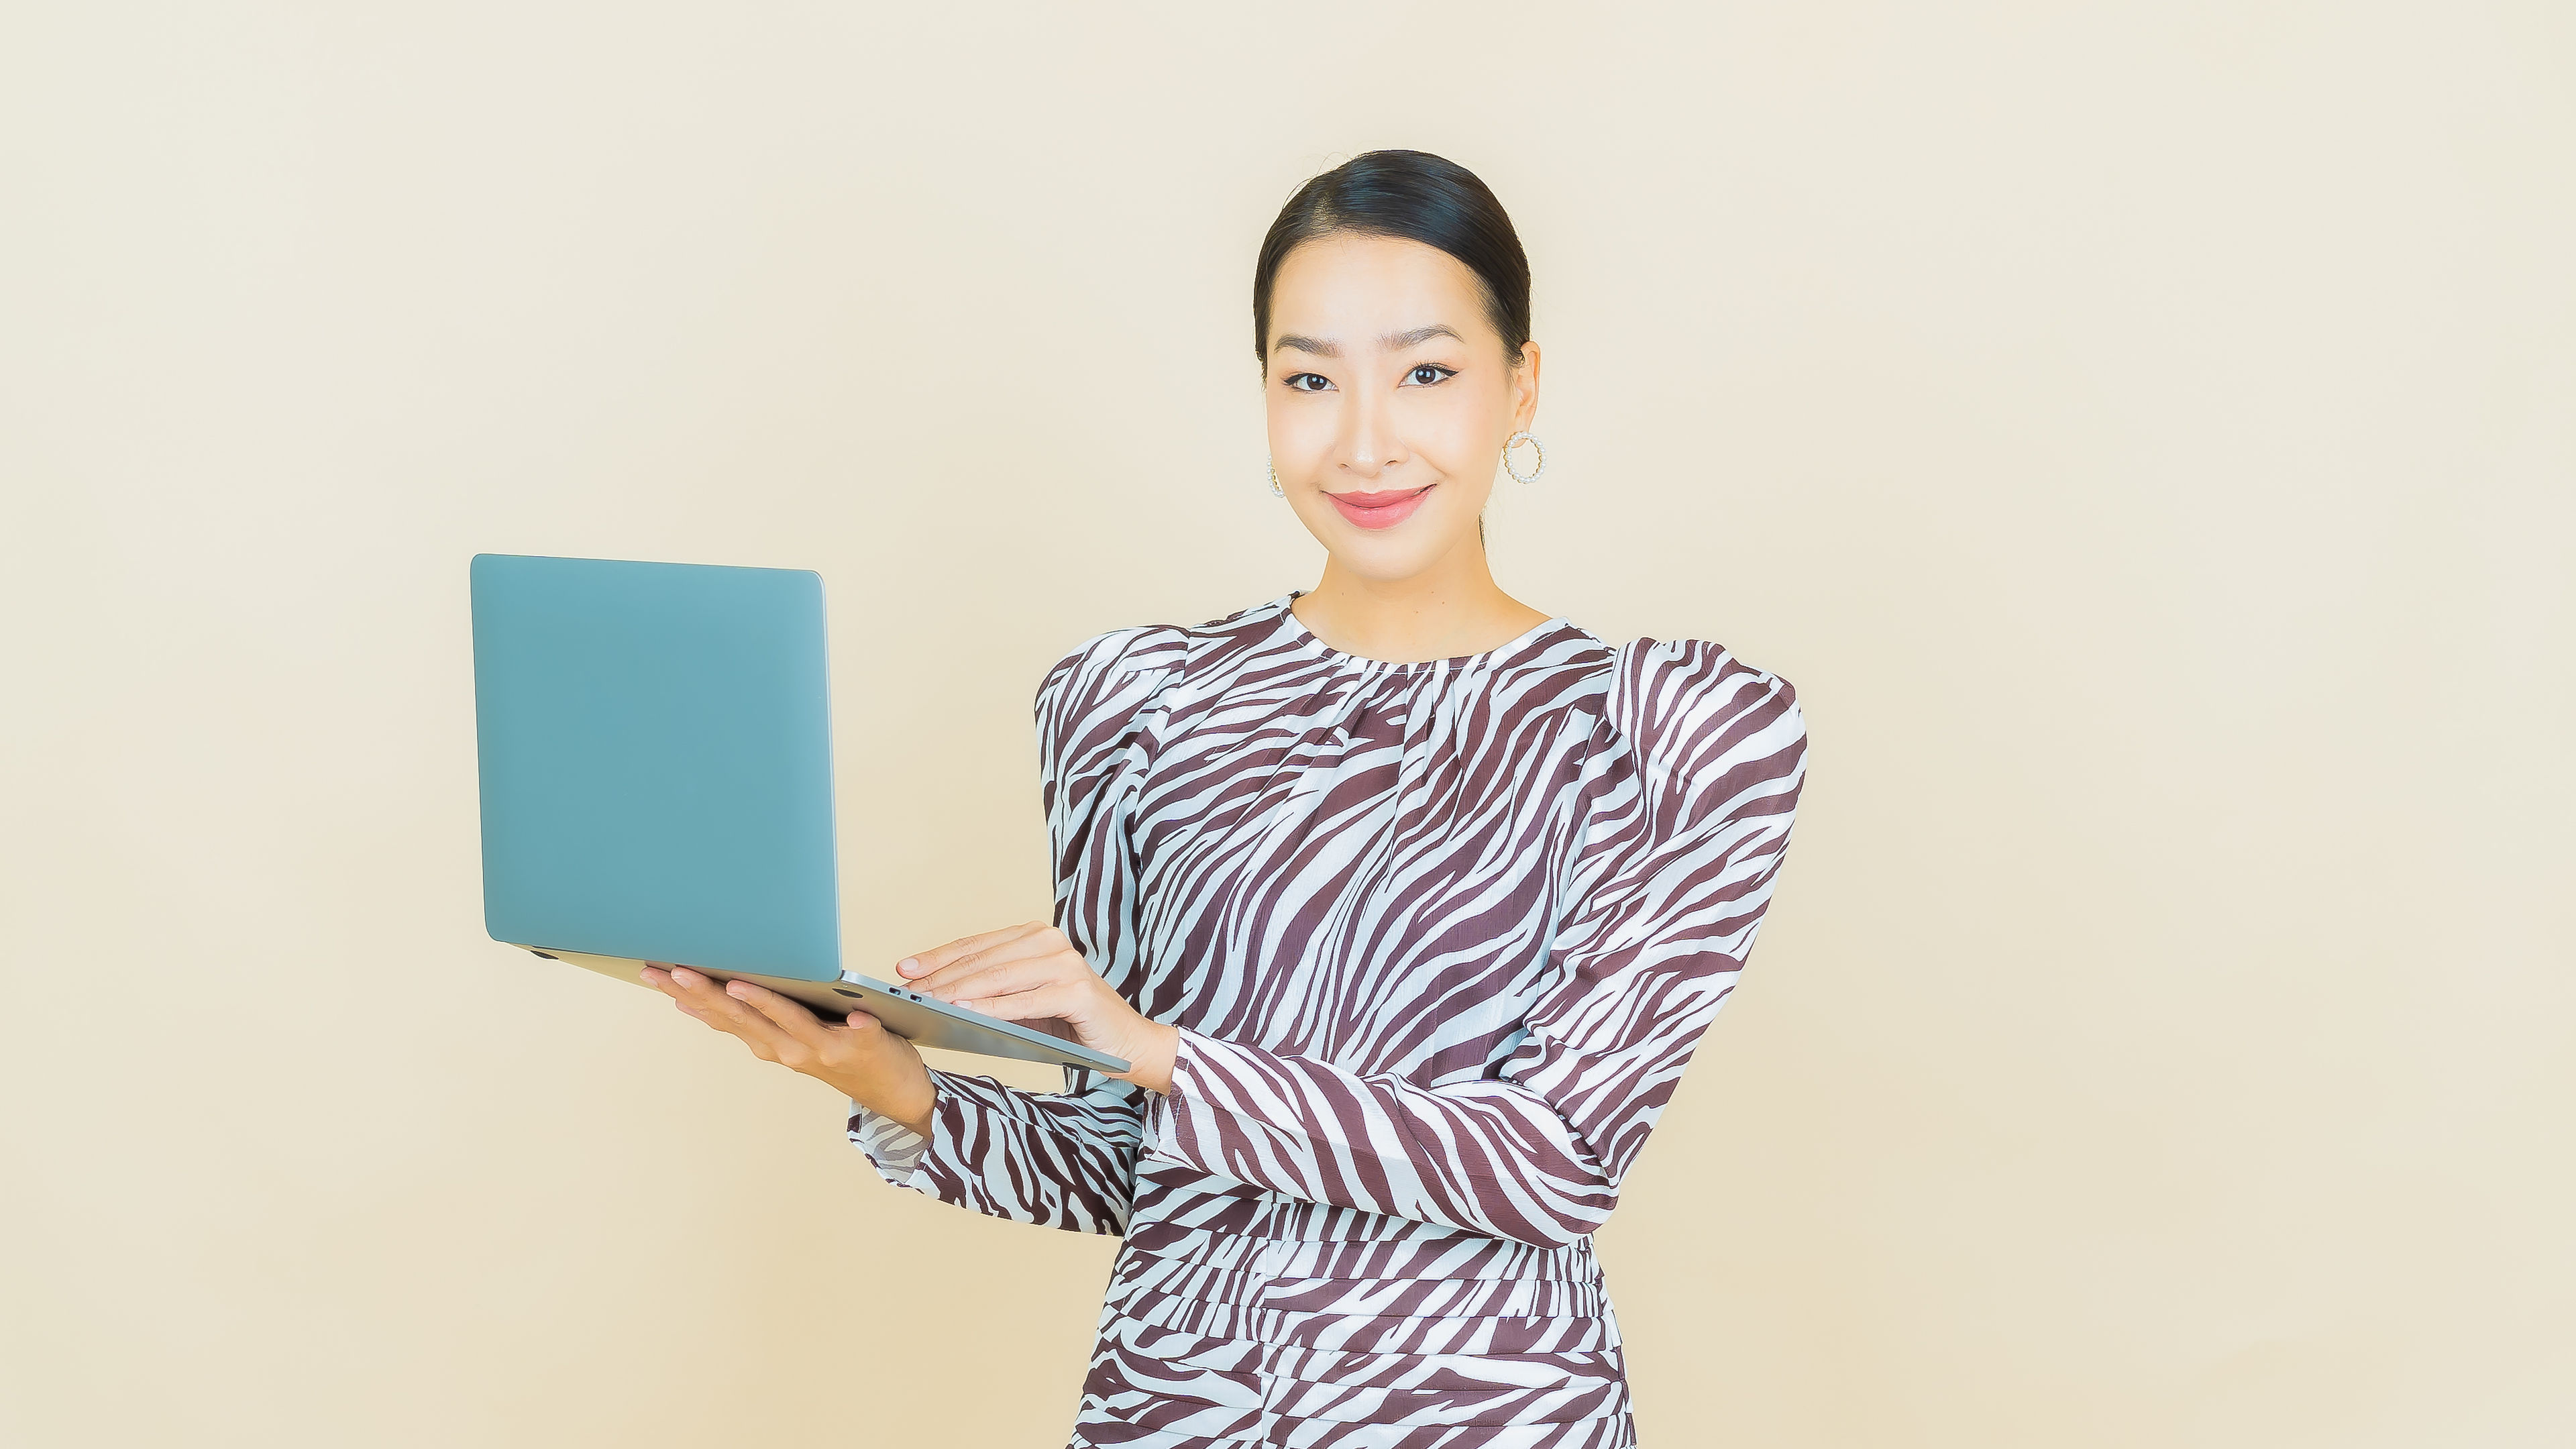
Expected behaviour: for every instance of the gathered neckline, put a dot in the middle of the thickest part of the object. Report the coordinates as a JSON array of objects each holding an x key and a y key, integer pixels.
[{"x": 1314, "y": 642}]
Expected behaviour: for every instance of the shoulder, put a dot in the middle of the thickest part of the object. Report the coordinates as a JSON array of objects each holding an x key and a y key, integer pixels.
[
  {"x": 1122, "y": 667},
  {"x": 1127, "y": 651},
  {"x": 1116, "y": 669},
  {"x": 1702, "y": 720}
]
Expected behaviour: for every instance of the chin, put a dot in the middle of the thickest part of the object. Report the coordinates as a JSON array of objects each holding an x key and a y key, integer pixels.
[{"x": 1401, "y": 553}]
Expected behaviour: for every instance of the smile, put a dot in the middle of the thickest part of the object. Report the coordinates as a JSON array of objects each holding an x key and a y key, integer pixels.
[{"x": 1381, "y": 510}]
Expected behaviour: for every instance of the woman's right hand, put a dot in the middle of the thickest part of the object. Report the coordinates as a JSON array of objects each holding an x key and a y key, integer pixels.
[{"x": 857, "y": 1057}]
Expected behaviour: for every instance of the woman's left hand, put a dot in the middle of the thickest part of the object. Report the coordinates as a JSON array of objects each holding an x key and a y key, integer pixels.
[{"x": 1031, "y": 973}]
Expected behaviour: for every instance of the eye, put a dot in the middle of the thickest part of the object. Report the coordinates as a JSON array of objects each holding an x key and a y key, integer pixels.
[
  {"x": 1310, "y": 382},
  {"x": 1427, "y": 374}
]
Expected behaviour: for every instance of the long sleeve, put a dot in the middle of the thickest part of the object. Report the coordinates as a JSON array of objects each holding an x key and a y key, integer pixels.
[
  {"x": 1065, "y": 1159},
  {"x": 1689, "y": 818}
]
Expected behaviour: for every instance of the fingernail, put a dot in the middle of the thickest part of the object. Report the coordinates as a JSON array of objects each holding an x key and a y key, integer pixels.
[
  {"x": 908, "y": 965},
  {"x": 736, "y": 990}
]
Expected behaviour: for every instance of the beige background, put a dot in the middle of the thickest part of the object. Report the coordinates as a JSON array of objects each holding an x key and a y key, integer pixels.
[{"x": 2142, "y": 431}]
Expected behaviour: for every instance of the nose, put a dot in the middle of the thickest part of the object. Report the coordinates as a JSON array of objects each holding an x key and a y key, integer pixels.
[{"x": 1371, "y": 443}]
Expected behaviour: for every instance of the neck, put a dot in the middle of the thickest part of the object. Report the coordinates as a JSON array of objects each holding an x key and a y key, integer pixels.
[{"x": 1452, "y": 608}]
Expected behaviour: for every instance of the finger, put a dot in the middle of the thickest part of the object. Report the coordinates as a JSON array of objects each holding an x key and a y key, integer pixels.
[
  {"x": 707, "y": 1018},
  {"x": 922, "y": 962},
  {"x": 685, "y": 980},
  {"x": 1055, "y": 999},
  {"x": 1039, "y": 944},
  {"x": 663, "y": 982},
  {"x": 867, "y": 1033},
  {"x": 682, "y": 984},
  {"x": 1002, "y": 978},
  {"x": 989, "y": 977},
  {"x": 681, "y": 1005},
  {"x": 787, "y": 1013},
  {"x": 757, "y": 1031},
  {"x": 731, "y": 1013}
]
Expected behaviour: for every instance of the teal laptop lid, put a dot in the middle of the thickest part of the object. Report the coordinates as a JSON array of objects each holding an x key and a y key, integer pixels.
[{"x": 656, "y": 758}]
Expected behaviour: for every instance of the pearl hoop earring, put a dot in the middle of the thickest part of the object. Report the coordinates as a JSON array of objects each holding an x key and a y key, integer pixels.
[
  {"x": 1275, "y": 489},
  {"x": 1524, "y": 436}
]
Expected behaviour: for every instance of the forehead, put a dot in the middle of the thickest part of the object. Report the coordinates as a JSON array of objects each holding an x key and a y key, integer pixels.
[{"x": 1343, "y": 285}]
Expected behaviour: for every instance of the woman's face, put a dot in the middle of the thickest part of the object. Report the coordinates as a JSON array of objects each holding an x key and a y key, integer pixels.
[{"x": 1390, "y": 396}]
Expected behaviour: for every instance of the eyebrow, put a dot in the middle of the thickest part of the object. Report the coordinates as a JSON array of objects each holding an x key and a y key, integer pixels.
[
  {"x": 1398, "y": 341},
  {"x": 1391, "y": 342}
]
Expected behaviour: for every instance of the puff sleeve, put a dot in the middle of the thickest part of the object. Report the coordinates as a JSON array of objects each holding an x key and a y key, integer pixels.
[
  {"x": 1064, "y": 1159},
  {"x": 1689, "y": 817}
]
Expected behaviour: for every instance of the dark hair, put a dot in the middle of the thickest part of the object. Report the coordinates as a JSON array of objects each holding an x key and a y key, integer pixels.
[{"x": 1416, "y": 196}]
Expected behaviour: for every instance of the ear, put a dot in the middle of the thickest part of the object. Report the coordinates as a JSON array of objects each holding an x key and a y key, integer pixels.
[{"x": 1525, "y": 388}]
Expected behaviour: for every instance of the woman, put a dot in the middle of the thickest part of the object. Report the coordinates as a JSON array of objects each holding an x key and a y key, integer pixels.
[{"x": 1407, "y": 900}]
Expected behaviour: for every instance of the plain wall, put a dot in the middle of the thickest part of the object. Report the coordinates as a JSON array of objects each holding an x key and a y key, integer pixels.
[{"x": 2142, "y": 431}]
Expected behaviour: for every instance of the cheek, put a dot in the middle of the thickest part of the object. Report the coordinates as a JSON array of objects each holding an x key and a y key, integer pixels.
[
  {"x": 1459, "y": 436},
  {"x": 1301, "y": 429}
]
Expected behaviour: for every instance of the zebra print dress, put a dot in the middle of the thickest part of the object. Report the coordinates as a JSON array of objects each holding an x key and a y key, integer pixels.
[{"x": 1440, "y": 938}]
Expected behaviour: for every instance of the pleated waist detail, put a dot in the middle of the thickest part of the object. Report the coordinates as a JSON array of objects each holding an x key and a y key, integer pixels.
[{"x": 1218, "y": 1337}]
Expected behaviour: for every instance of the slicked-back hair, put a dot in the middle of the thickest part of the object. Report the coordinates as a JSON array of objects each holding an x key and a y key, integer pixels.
[{"x": 1415, "y": 196}]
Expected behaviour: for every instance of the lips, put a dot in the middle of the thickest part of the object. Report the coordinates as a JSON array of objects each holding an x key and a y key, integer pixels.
[{"x": 1384, "y": 509}]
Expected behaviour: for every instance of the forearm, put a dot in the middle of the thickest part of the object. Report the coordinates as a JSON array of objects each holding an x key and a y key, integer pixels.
[
  {"x": 911, "y": 1105},
  {"x": 1151, "y": 1066},
  {"x": 1066, "y": 1160},
  {"x": 1486, "y": 1156}
]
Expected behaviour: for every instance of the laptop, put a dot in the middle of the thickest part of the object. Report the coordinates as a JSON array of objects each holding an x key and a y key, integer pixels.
[{"x": 655, "y": 748}]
